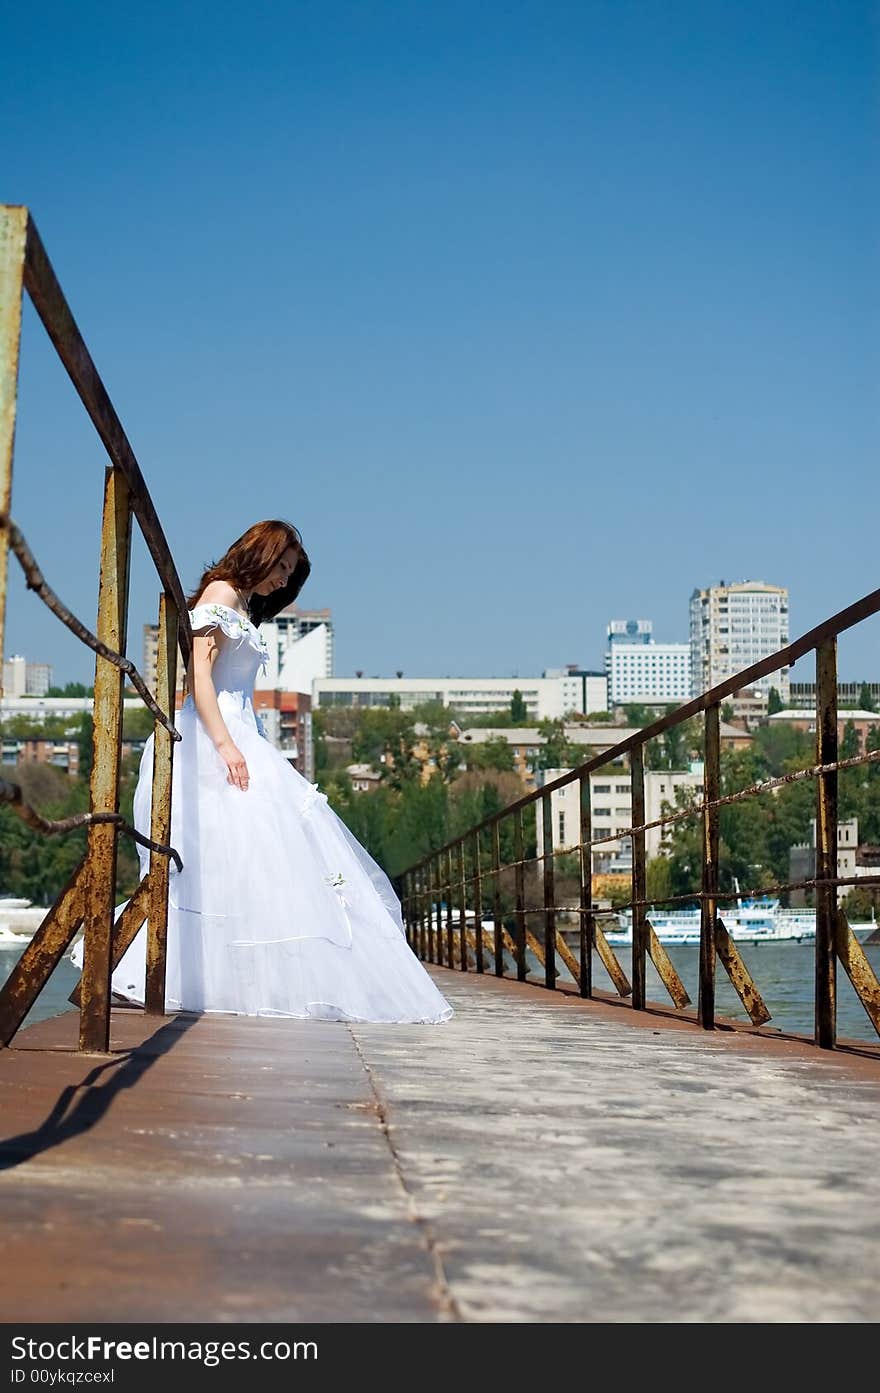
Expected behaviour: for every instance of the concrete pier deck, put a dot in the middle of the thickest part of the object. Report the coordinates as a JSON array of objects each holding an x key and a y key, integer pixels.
[{"x": 535, "y": 1159}]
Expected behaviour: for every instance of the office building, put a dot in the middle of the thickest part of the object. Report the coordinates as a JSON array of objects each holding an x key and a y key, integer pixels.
[{"x": 734, "y": 626}]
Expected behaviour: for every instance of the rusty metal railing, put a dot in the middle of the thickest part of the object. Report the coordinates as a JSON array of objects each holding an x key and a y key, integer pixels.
[
  {"x": 467, "y": 873},
  {"x": 88, "y": 899}
]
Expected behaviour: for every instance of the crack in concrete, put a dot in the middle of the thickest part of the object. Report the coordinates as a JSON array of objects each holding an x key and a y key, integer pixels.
[{"x": 446, "y": 1299}]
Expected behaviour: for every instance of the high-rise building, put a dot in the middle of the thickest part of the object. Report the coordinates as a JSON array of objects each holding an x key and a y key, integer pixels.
[
  {"x": 15, "y": 675},
  {"x": 300, "y": 645},
  {"x": 630, "y": 631},
  {"x": 734, "y": 626},
  {"x": 38, "y": 679},
  {"x": 641, "y": 670},
  {"x": 21, "y": 678}
]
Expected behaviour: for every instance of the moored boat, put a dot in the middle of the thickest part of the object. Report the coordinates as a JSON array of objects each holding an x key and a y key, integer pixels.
[
  {"x": 750, "y": 920},
  {"x": 19, "y": 920}
]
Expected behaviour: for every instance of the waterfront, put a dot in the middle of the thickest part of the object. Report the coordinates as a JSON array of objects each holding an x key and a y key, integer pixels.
[
  {"x": 53, "y": 1000},
  {"x": 783, "y": 973}
]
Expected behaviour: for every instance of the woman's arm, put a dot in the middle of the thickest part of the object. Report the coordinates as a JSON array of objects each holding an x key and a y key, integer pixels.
[{"x": 200, "y": 682}]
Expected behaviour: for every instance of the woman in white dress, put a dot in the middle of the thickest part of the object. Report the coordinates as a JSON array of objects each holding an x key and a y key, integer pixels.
[{"x": 278, "y": 911}]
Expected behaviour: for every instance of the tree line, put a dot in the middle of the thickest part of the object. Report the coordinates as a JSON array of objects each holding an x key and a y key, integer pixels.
[{"x": 408, "y": 815}]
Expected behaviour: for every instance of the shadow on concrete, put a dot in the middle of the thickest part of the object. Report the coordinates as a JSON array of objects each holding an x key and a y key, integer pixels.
[{"x": 82, "y": 1104}]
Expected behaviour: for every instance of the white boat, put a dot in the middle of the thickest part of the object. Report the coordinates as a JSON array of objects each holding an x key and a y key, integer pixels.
[
  {"x": 19, "y": 920},
  {"x": 754, "y": 920}
]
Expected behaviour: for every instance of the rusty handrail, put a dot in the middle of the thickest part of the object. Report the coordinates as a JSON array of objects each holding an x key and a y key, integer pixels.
[
  {"x": 425, "y": 883},
  {"x": 89, "y": 897}
]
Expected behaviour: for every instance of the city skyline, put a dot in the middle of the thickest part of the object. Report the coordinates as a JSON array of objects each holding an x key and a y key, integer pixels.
[{"x": 798, "y": 673}]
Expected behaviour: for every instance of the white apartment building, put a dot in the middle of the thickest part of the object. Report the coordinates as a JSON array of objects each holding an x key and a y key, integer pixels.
[
  {"x": 733, "y": 626},
  {"x": 611, "y": 806},
  {"x": 294, "y": 666},
  {"x": 650, "y": 673},
  {"x": 299, "y": 643},
  {"x": 545, "y": 698},
  {"x": 582, "y": 690},
  {"x": 21, "y": 678},
  {"x": 39, "y": 708}
]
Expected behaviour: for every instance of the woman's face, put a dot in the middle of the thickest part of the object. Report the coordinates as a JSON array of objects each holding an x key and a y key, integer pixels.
[{"x": 280, "y": 573}]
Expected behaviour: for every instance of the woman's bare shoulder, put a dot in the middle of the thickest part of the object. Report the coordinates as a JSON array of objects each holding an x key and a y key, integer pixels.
[{"x": 218, "y": 592}]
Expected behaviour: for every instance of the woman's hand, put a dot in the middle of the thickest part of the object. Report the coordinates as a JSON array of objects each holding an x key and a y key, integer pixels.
[{"x": 235, "y": 763}]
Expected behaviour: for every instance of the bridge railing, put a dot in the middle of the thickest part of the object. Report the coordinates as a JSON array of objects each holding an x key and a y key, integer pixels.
[
  {"x": 88, "y": 900},
  {"x": 450, "y": 894}
]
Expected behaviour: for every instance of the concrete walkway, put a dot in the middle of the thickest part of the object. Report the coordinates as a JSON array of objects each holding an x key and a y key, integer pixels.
[{"x": 535, "y": 1159}]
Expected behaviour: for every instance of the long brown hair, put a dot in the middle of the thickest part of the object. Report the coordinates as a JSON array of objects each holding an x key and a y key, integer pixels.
[{"x": 249, "y": 560}]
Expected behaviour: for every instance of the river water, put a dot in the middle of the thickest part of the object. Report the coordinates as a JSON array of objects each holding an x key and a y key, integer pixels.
[{"x": 783, "y": 974}]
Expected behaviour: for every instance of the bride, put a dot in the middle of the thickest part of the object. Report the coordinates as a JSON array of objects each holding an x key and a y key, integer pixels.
[{"x": 278, "y": 911}]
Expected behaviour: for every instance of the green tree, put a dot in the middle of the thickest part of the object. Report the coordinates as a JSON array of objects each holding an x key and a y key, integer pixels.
[
  {"x": 869, "y": 811},
  {"x": 435, "y": 715},
  {"x": 501, "y": 719},
  {"x": 518, "y": 710},
  {"x": 137, "y": 724},
  {"x": 681, "y": 742},
  {"x": 659, "y": 879},
  {"x": 71, "y": 689},
  {"x": 862, "y": 904},
  {"x": 25, "y": 727},
  {"x": 774, "y": 702},
  {"x": 556, "y": 752},
  {"x": 866, "y": 701},
  {"x": 33, "y": 864},
  {"x": 781, "y": 748},
  {"x": 491, "y": 754},
  {"x": 850, "y": 782},
  {"x": 419, "y": 825},
  {"x": 85, "y": 739},
  {"x": 385, "y": 737},
  {"x": 637, "y": 715}
]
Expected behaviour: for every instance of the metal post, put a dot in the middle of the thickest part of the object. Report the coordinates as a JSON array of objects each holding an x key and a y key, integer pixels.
[
  {"x": 826, "y": 845},
  {"x": 434, "y": 908},
  {"x": 100, "y": 883},
  {"x": 549, "y": 897},
  {"x": 709, "y": 902},
  {"x": 639, "y": 880},
  {"x": 588, "y": 933},
  {"x": 496, "y": 898},
  {"x": 13, "y": 240},
  {"x": 478, "y": 903},
  {"x": 462, "y": 907},
  {"x": 450, "y": 941},
  {"x": 160, "y": 817},
  {"x": 520, "y": 879}
]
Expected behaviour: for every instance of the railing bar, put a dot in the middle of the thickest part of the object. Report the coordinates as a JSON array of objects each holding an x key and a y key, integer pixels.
[
  {"x": 49, "y": 301},
  {"x": 639, "y": 879},
  {"x": 37, "y": 583},
  {"x": 826, "y": 846},
  {"x": 709, "y": 898}
]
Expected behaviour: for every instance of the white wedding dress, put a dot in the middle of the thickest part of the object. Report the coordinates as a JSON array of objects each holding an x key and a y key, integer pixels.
[{"x": 278, "y": 911}]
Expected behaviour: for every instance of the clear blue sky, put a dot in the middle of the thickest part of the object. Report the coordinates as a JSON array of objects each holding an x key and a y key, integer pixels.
[{"x": 529, "y": 315}]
